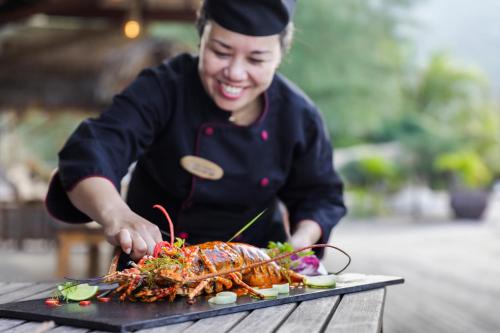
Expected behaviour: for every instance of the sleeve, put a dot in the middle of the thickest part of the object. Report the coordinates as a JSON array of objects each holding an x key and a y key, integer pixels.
[
  {"x": 313, "y": 189},
  {"x": 107, "y": 145}
]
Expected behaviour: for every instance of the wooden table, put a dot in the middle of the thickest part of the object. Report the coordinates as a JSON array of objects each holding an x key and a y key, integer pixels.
[
  {"x": 355, "y": 312},
  {"x": 68, "y": 237}
]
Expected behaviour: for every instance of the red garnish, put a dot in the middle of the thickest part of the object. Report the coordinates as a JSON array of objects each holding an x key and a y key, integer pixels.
[
  {"x": 84, "y": 303},
  {"x": 52, "y": 302},
  {"x": 161, "y": 247},
  {"x": 103, "y": 299},
  {"x": 171, "y": 225}
]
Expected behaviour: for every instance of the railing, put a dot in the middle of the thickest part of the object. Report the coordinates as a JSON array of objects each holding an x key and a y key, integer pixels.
[{"x": 26, "y": 220}]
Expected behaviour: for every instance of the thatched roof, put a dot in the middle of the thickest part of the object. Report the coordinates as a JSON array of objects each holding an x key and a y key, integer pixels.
[
  {"x": 81, "y": 66},
  {"x": 171, "y": 10},
  {"x": 81, "y": 69}
]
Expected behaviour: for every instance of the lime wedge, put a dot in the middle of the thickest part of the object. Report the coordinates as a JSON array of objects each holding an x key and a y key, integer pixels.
[{"x": 79, "y": 292}]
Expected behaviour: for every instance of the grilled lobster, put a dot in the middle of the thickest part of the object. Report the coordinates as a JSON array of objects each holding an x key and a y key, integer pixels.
[{"x": 208, "y": 267}]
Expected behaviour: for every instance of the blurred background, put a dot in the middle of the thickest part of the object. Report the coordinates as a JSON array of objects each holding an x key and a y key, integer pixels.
[{"x": 410, "y": 92}]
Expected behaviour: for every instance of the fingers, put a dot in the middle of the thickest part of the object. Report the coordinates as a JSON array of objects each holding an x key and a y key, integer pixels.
[
  {"x": 149, "y": 243},
  {"x": 150, "y": 234},
  {"x": 135, "y": 235},
  {"x": 125, "y": 240},
  {"x": 139, "y": 246},
  {"x": 135, "y": 244},
  {"x": 138, "y": 242},
  {"x": 155, "y": 233}
]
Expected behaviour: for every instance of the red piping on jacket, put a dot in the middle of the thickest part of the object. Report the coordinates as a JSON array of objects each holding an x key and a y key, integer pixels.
[{"x": 185, "y": 203}]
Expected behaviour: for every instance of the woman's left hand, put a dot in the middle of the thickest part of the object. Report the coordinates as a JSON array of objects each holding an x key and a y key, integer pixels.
[{"x": 307, "y": 232}]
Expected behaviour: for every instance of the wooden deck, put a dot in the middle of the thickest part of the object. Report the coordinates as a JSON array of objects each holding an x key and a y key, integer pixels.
[
  {"x": 451, "y": 271},
  {"x": 359, "y": 310}
]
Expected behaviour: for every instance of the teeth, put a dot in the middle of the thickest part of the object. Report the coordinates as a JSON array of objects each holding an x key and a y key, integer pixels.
[{"x": 231, "y": 90}]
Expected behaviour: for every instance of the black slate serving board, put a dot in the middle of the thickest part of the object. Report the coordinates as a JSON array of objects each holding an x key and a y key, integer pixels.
[{"x": 127, "y": 316}]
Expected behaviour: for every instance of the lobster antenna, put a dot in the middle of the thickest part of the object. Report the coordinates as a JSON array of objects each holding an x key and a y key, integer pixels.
[
  {"x": 171, "y": 225},
  {"x": 211, "y": 275}
]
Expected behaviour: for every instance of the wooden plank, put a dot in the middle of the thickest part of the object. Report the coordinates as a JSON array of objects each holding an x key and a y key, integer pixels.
[
  {"x": 32, "y": 327},
  {"x": 451, "y": 279},
  {"x": 8, "y": 287},
  {"x": 6, "y": 324},
  {"x": 15, "y": 292},
  {"x": 310, "y": 316},
  {"x": 439, "y": 296},
  {"x": 359, "y": 313},
  {"x": 68, "y": 329},
  {"x": 5, "y": 288},
  {"x": 41, "y": 294},
  {"x": 20, "y": 291},
  {"x": 25, "y": 292},
  {"x": 175, "y": 328},
  {"x": 217, "y": 324},
  {"x": 438, "y": 304},
  {"x": 265, "y": 320}
]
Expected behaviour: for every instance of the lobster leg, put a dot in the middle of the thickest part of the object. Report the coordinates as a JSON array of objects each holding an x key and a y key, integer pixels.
[
  {"x": 117, "y": 290},
  {"x": 242, "y": 284},
  {"x": 156, "y": 295},
  {"x": 197, "y": 290},
  {"x": 132, "y": 286},
  {"x": 227, "y": 283},
  {"x": 296, "y": 277},
  {"x": 114, "y": 261},
  {"x": 222, "y": 282},
  {"x": 203, "y": 283}
]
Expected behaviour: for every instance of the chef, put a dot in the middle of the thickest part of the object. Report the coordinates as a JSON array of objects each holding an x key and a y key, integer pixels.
[{"x": 217, "y": 138}]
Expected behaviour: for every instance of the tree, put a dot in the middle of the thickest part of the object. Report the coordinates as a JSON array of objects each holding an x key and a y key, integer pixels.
[
  {"x": 449, "y": 120},
  {"x": 348, "y": 57}
]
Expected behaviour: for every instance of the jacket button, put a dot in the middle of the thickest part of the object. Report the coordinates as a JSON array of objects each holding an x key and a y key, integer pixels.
[
  {"x": 264, "y": 182},
  {"x": 209, "y": 131},
  {"x": 264, "y": 135}
]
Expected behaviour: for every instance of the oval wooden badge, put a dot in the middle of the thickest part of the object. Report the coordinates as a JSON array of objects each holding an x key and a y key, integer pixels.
[{"x": 201, "y": 167}]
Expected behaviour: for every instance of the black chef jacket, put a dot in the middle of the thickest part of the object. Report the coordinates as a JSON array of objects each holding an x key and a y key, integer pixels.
[{"x": 165, "y": 114}]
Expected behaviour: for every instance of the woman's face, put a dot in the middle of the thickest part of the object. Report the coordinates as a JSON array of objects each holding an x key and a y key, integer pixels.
[{"x": 236, "y": 69}]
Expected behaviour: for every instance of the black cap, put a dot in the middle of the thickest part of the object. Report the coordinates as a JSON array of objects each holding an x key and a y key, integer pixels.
[{"x": 251, "y": 17}]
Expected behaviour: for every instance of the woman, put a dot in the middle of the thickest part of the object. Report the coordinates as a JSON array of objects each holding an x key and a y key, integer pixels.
[{"x": 217, "y": 138}]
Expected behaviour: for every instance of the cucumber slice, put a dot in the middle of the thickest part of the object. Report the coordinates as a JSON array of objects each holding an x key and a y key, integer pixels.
[
  {"x": 226, "y": 293},
  {"x": 224, "y": 297},
  {"x": 282, "y": 288},
  {"x": 320, "y": 281},
  {"x": 268, "y": 293}
]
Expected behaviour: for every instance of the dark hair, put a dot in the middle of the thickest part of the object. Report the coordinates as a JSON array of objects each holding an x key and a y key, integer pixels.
[{"x": 285, "y": 37}]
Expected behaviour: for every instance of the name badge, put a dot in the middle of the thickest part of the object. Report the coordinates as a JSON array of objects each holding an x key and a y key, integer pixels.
[{"x": 201, "y": 167}]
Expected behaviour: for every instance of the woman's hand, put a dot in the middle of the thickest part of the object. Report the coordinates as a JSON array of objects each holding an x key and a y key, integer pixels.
[
  {"x": 98, "y": 198},
  {"x": 307, "y": 232},
  {"x": 134, "y": 234}
]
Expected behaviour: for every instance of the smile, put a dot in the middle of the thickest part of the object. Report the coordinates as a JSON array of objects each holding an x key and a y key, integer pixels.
[{"x": 231, "y": 92}]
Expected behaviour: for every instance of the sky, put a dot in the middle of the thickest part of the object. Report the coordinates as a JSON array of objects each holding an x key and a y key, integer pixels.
[{"x": 468, "y": 30}]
